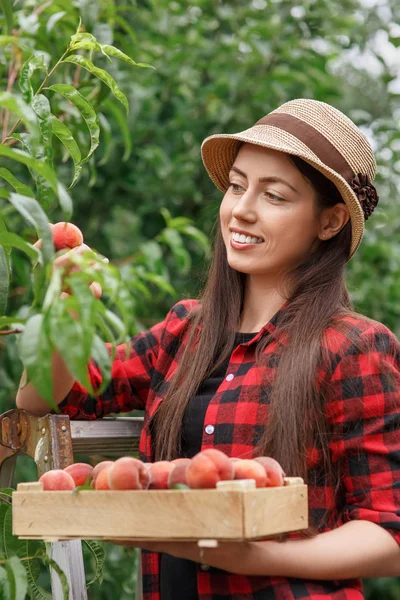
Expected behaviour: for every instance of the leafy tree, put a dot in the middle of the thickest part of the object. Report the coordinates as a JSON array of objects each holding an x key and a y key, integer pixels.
[{"x": 219, "y": 66}]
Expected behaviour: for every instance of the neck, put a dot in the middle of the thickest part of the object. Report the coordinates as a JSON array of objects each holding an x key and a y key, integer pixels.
[{"x": 261, "y": 301}]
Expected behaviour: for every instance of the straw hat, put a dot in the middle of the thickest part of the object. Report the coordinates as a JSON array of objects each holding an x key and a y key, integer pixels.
[{"x": 319, "y": 134}]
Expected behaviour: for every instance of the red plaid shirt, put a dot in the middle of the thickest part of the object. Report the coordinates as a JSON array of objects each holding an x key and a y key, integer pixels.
[{"x": 363, "y": 410}]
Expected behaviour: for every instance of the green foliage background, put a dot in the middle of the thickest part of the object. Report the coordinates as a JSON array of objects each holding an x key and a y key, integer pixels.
[{"x": 219, "y": 67}]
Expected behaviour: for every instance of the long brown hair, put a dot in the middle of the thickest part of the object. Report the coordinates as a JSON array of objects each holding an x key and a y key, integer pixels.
[{"x": 296, "y": 419}]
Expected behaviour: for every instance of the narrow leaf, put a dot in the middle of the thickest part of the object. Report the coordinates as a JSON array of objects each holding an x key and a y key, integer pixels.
[
  {"x": 66, "y": 138},
  {"x": 53, "y": 19},
  {"x": 19, "y": 187},
  {"x": 36, "y": 351},
  {"x": 26, "y": 159},
  {"x": 99, "y": 555},
  {"x": 102, "y": 357},
  {"x": 16, "y": 105},
  {"x": 17, "y": 578},
  {"x": 112, "y": 51},
  {"x": 123, "y": 125},
  {"x": 100, "y": 74},
  {"x": 6, "y": 7},
  {"x": 33, "y": 212},
  {"x": 25, "y": 84},
  {"x": 4, "y": 282},
  {"x": 85, "y": 108},
  {"x": 15, "y": 241},
  {"x": 49, "y": 562}
]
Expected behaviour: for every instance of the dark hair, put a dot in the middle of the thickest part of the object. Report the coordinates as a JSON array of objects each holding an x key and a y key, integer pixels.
[{"x": 318, "y": 295}]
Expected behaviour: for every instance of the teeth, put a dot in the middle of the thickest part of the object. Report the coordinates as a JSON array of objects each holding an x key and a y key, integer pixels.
[{"x": 243, "y": 239}]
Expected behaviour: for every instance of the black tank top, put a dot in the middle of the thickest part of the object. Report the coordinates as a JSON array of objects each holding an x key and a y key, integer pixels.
[{"x": 178, "y": 576}]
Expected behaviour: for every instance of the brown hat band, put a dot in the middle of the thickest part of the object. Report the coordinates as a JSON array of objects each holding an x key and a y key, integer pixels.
[{"x": 328, "y": 154}]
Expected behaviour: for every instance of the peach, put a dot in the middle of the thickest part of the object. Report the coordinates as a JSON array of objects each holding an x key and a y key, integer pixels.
[
  {"x": 178, "y": 473},
  {"x": 159, "y": 474},
  {"x": 99, "y": 467},
  {"x": 128, "y": 473},
  {"x": 250, "y": 469},
  {"x": 273, "y": 470},
  {"x": 66, "y": 235},
  {"x": 57, "y": 479},
  {"x": 208, "y": 467},
  {"x": 101, "y": 482},
  {"x": 79, "y": 472}
]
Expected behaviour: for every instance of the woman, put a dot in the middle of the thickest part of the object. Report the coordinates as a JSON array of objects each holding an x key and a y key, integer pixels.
[{"x": 272, "y": 360}]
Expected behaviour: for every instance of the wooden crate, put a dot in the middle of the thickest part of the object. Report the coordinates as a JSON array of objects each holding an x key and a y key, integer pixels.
[{"x": 234, "y": 511}]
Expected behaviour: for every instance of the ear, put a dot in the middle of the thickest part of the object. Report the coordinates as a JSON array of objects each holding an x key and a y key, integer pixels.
[{"x": 332, "y": 220}]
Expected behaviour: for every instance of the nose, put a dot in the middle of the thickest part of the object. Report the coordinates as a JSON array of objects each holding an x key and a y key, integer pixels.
[{"x": 244, "y": 208}]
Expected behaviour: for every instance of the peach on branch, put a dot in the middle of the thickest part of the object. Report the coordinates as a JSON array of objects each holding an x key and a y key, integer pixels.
[
  {"x": 208, "y": 467},
  {"x": 66, "y": 235},
  {"x": 79, "y": 472},
  {"x": 273, "y": 470},
  {"x": 57, "y": 479},
  {"x": 250, "y": 469},
  {"x": 128, "y": 473}
]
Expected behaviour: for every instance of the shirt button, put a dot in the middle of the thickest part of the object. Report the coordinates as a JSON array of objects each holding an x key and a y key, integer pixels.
[
  {"x": 204, "y": 567},
  {"x": 229, "y": 377},
  {"x": 210, "y": 429}
]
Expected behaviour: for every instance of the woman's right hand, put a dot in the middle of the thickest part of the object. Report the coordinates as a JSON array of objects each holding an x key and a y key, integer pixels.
[{"x": 65, "y": 261}]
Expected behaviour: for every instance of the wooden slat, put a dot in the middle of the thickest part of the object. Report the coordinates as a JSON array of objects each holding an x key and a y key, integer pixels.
[
  {"x": 161, "y": 514},
  {"x": 111, "y": 435},
  {"x": 269, "y": 514}
]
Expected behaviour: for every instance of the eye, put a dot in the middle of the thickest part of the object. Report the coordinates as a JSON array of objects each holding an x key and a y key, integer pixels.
[
  {"x": 234, "y": 186},
  {"x": 275, "y": 198}
]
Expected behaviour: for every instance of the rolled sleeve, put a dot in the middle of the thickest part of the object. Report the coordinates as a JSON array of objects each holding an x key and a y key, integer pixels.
[
  {"x": 364, "y": 412},
  {"x": 130, "y": 379}
]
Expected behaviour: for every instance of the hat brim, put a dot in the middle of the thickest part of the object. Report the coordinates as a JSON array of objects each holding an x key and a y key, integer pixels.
[{"x": 219, "y": 152}]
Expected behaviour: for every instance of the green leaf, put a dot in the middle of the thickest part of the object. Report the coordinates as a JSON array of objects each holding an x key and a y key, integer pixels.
[
  {"x": 102, "y": 357},
  {"x": 44, "y": 150},
  {"x": 100, "y": 74},
  {"x": 68, "y": 337},
  {"x": 173, "y": 239},
  {"x": 85, "y": 108},
  {"x": 86, "y": 309},
  {"x": 199, "y": 236},
  {"x": 33, "y": 212},
  {"x": 24, "y": 158},
  {"x": 13, "y": 322},
  {"x": 6, "y": 7},
  {"x": 19, "y": 187},
  {"x": 166, "y": 214},
  {"x": 99, "y": 555},
  {"x": 23, "y": 111},
  {"x": 28, "y": 68},
  {"x": 65, "y": 136},
  {"x": 49, "y": 562},
  {"x": 112, "y": 51},
  {"x": 17, "y": 578},
  {"x": 4, "y": 585},
  {"x": 159, "y": 282},
  {"x": 123, "y": 125},
  {"x": 4, "y": 282},
  {"x": 15, "y": 241},
  {"x": 5, "y": 40},
  {"x": 35, "y": 350},
  {"x": 53, "y": 19},
  {"x": 54, "y": 290}
]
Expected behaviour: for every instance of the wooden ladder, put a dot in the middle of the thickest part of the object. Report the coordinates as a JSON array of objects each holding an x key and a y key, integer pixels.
[{"x": 51, "y": 442}]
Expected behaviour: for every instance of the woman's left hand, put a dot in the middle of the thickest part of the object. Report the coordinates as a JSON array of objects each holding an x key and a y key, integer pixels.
[{"x": 226, "y": 556}]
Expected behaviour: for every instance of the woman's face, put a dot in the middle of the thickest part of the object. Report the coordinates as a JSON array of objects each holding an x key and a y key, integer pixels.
[{"x": 268, "y": 199}]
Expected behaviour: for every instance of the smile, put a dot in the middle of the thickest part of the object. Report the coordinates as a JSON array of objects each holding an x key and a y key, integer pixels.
[{"x": 240, "y": 238}]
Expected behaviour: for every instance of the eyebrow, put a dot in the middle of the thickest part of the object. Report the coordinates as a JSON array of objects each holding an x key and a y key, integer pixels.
[{"x": 266, "y": 179}]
